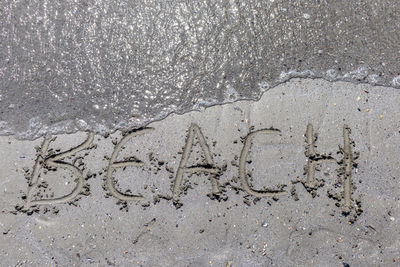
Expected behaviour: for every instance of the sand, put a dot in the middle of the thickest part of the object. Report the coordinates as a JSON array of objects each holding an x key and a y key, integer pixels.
[{"x": 307, "y": 176}]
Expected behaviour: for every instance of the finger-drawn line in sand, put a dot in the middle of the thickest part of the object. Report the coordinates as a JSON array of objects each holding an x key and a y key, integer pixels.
[
  {"x": 242, "y": 166},
  {"x": 144, "y": 231},
  {"x": 113, "y": 164},
  {"x": 348, "y": 167},
  {"x": 56, "y": 161},
  {"x": 194, "y": 129},
  {"x": 314, "y": 159}
]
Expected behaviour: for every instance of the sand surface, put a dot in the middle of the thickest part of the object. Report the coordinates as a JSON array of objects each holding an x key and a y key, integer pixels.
[{"x": 306, "y": 176}]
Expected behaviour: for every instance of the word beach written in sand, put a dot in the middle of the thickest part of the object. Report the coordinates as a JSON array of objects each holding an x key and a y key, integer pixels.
[{"x": 55, "y": 161}]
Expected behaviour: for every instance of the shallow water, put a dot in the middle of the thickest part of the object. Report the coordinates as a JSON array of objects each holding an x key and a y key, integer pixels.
[{"x": 101, "y": 66}]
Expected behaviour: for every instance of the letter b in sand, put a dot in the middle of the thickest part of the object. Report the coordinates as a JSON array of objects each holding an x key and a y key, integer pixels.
[{"x": 56, "y": 162}]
